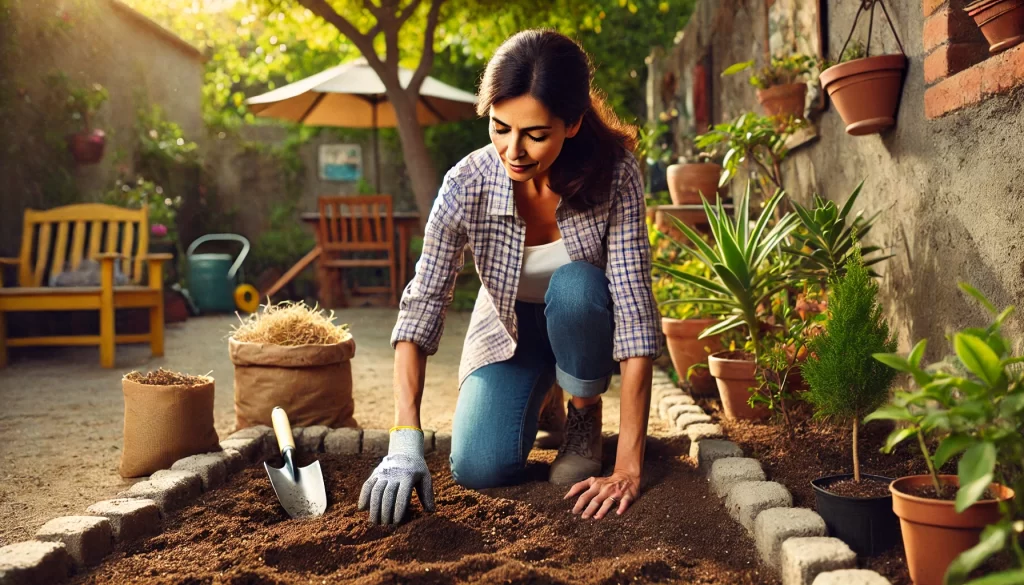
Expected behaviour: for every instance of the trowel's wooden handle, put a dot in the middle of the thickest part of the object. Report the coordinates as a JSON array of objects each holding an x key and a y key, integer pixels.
[{"x": 282, "y": 429}]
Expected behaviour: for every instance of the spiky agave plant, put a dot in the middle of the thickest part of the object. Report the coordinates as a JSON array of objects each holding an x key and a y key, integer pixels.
[{"x": 741, "y": 261}]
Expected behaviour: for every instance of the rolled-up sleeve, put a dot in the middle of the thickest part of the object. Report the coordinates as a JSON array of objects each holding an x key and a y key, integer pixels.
[
  {"x": 425, "y": 300},
  {"x": 637, "y": 320}
]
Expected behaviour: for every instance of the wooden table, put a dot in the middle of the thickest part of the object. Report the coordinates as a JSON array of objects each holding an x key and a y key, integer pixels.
[{"x": 406, "y": 224}]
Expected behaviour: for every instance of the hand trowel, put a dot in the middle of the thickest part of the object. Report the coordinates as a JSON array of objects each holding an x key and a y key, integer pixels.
[{"x": 300, "y": 489}]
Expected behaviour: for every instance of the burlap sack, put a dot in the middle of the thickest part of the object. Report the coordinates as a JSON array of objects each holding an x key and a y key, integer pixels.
[
  {"x": 313, "y": 383},
  {"x": 165, "y": 423}
]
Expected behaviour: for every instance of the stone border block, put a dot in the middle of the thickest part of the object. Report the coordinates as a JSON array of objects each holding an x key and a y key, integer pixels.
[
  {"x": 803, "y": 559},
  {"x": 129, "y": 519},
  {"x": 250, "y": 449},
  {"x": 261, "y": 433},
  {"x": 212, "y": 468},
  {"x": 677, "y": 410},
  {"x": 169, "y": 489},
  {"x": 705, "y": 452},
  {"x": 686, "y": 419},
  {"x": 443, "y": 442},
  {"x": 851, "y": 577},
  {"x": 777, "y": 525},
  {"x": 344, "y": 441},
  {"x": 375, "y": 442},
  {"x": 672, "y": 400},
  {"x": 747, "y": 499},
  {"x": 703, "y": 431},
  {"x": 34, "y": 563},
  {"x": 234, "y": 461},
  {"x": 88, "y": 538},
  {"x": 312, "y": 440},
  {"x": 726, "y": 473},
  {"x": 428, "y": 442}
]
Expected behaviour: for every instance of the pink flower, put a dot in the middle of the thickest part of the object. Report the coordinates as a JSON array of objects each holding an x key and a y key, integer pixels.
[{"x": 158, "y": 229}]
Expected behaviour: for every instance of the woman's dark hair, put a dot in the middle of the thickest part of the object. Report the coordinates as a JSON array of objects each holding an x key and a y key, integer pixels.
[{"x": 555, "y": 71}]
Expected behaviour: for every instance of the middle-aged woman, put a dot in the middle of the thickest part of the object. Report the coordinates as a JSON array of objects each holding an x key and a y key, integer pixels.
[{"x": 553, "y": 212}]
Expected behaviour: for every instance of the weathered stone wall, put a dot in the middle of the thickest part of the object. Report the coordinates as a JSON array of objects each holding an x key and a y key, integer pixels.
[
  {"x": 91, "y": 41},
  {"x": 949, "y": 189}
]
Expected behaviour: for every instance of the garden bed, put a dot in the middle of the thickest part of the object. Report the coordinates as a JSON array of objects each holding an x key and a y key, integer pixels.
[
  {"x": 818, "y": 450},
  {"x": 676, "y": 532}
]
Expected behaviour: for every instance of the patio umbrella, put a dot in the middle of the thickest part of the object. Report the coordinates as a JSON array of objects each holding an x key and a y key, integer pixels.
[{"x": 353, "y": 96}]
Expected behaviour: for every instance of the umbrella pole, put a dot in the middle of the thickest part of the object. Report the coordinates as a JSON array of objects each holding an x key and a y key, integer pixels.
[{"x": 376, "y": 150}]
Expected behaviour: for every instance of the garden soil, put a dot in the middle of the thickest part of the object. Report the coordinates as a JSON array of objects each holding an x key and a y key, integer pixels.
[{"x": 675, "y": 533}]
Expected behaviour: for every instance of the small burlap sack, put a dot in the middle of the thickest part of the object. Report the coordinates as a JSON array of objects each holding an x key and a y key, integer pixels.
[
  {"x": 165, "y": 423},
  {"x": 312, "y": 383}
]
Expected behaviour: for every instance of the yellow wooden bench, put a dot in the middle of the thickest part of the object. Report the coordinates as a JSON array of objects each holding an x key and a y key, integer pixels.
[{"x": 66, "y": 235}]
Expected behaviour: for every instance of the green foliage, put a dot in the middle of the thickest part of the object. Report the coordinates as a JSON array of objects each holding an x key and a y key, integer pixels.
[
  {"x": 793, "y": 68},
  {"x": 133, "y": 194},
  {"x": 284, "y": 242},
  {"x": 784, "y": 346},
  {"x": 757, "y": 141},
  {"x": 744, "y": 261},
  {"x": 80, "y": 103},
  {"x": 162, "y": 143},
  {"x": 845, "y": 380},
  {"x": 976, "y": 408},
  {"x": 855, "y": 50},
  {"x": 671, "y": 293},
  {"x": 828, "y": 239}
]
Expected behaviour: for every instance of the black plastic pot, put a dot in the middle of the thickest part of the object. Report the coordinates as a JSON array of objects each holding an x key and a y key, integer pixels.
[{"x": 867, "y": 525}]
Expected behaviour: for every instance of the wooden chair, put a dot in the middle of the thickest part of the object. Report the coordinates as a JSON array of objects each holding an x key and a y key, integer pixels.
[
  {"x": 112, "y": 236},
  {"x": 358, "y": 224}
]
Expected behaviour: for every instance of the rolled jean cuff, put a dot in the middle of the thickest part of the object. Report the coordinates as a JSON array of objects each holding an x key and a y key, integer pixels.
[{"x": 582, "y": 388}]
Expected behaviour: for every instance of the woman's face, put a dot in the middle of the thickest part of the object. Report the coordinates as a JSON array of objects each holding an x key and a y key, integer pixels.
[{"x": 527, "y": 136}]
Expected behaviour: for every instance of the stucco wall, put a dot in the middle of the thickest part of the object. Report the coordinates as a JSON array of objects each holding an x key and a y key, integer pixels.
[
  {"x": 92, "y": 41},
  {"x": 950, "y": 190}
]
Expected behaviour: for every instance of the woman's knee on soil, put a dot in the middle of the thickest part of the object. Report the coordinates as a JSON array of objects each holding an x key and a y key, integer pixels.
[
  {"x": 474, "y": 469},
  {"x": 578, "y": 291}
]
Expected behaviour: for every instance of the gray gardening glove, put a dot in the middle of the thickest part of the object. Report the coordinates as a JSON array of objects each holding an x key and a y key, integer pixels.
[{"x": 389, "y": 489}]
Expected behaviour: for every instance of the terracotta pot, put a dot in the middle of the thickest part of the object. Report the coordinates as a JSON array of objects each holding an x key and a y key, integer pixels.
[
  {"x": 933, "y": 533},
  {"x": 87, "y": 147},
  {"x": 688, "y": 181},
  {"x": 734, "y": 374},
  {"x": 784, "y": 100},
  {"x": 695, "y": 218},
  {"x": 1001, "y": 21},
  {"x": 866, "y": 92},
  {"x": 683, "y": 345}
]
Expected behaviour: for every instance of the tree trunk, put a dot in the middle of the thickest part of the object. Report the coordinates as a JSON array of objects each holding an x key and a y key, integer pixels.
[
  {"x": 417, "y": 158},
  {"x": 856, "y": 458}
]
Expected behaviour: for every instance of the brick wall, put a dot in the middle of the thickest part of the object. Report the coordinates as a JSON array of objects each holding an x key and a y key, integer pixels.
[{"x": 957, "y": 67}]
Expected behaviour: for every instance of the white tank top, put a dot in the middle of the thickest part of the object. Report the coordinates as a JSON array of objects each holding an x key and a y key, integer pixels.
[{"x": 539, "y": 263}]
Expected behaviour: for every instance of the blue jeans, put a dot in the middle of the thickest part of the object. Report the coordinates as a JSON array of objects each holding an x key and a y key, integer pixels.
[{"x": 568, "y": 339}]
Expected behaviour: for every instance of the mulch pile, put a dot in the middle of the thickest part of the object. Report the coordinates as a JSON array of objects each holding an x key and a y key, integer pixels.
[{"x": 525, "y": 534}]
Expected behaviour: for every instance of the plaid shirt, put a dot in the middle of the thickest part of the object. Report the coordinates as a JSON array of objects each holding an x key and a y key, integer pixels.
[{"x": 475, "y": 207}]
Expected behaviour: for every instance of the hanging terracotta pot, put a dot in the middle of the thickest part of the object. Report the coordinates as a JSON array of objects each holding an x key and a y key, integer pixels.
[
  {"x": 734, "y": 373},
  {"x": 688, "y": 181},
  {"x": 933, "y": 532},
  {"x": 784, "y": 100},
  {"x": 866, "y": 92},
  {"x": 685, "y": 349},
  {"x": 1001, "y": 21},
  {"x": 87, "y": 146}
]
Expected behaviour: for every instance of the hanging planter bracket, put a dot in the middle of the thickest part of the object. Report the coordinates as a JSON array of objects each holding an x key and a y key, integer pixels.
[{"x": 869, "y": 6}]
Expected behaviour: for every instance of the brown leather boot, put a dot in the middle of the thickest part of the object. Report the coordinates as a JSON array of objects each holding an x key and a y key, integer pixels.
[
  {"x": 579, "y": 457},
  {"x": 551, "y": 426}
]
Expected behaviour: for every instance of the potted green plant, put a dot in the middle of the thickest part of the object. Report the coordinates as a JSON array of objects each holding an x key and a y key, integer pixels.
[
  {"x": 745, "y": 275},
  {"x": 756, "y": 141},
  {"x": 1001, "y": 21},
  {"x": 781, "y": 84},
  {"x": 87, "y": 144},
  {"x": 683, "y": 320},
  {"x": 845, "y": 383},
  {"x": 975, "y": 405},
  {"x": 866, "y": 89}
]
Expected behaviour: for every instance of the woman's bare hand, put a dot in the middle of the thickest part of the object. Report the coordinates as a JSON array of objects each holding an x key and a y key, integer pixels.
[{"x": 598, "y": 495}]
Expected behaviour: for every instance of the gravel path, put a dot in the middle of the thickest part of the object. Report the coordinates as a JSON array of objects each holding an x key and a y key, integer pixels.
[{"x": 61, "y": 425}]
